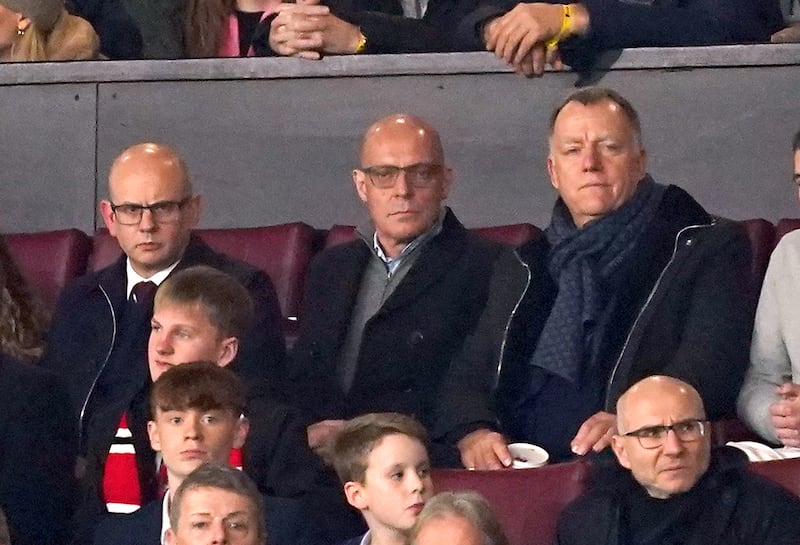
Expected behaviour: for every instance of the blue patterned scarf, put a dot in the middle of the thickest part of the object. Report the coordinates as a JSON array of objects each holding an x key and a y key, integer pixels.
[{"x": 586, "y": 264}]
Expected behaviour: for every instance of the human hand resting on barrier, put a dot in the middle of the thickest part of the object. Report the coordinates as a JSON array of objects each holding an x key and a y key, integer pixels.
[
  {"x": 594, "y": 434},
  {"x": 308, "y": 30},
  {"x": 484, "y": 449},
  {"x": 521, "y": 36},
  {"x": 534, "y": 62},
  {"x": 786, "y": 414}
]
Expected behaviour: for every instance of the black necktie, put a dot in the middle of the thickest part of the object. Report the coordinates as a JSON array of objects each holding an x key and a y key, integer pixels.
[{"x": 143, "y": 293}]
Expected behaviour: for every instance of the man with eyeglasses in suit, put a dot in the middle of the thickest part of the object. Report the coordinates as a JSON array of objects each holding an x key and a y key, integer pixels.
[
  {"x": 98, "y": 340},
  {"x": 384, "y": 314},
  {"x": 668, "y": 485}
]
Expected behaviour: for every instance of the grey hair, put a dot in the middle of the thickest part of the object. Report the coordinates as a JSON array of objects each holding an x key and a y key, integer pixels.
[
  {"x": 468, "y": 505},
  {"x": 222, "y": 477},
  {"x": 594, "y": 95}
]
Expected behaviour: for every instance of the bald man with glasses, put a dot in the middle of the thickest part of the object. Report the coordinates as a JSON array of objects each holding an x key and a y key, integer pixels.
[
  {"x": 668, "y": 485},
  {"x": 384, "y": 314},
  {"x": 98, "y": 340}
]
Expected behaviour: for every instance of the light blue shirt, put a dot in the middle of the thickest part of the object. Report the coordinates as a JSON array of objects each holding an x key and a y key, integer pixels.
[{"x": 393, "y": 263}]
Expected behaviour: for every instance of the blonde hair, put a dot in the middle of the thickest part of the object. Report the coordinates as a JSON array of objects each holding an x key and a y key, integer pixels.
[
  {"x": 71, "y": 38},
  {"x": 31, "y": 46}
]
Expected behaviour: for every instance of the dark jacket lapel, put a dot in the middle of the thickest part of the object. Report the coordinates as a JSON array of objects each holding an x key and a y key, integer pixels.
[{"x": 436, "y": 259}]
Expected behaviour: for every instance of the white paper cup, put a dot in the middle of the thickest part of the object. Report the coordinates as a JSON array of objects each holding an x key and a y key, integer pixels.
[{"x": 526, "y": 455}]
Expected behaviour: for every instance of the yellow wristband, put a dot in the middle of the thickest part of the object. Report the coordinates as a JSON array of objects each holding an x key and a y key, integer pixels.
[
  {"x": 566, "y": 26},
  {"x": 362, "y": 44}
]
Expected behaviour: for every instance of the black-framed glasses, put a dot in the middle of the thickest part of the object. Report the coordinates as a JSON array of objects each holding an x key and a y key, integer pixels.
[
  {"x": 161, "y": 211},
  {"x": 419, "y": 175},
  {"x": 687, "y": 431}
]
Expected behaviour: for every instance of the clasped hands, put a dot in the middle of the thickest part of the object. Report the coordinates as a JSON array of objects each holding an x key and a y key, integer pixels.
[
  {"x": 520, "y": 36},
  {"x": 309, "y": 29}
]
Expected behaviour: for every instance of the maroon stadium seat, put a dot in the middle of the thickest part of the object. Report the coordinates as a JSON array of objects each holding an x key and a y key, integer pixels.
[
  {"x": 784, "y": 472},
  {"x": 281, "y": 251},
  {"x": 527, "y": 501},
  {"x": 339, "y": 234},
  {"x": 731, "y": 429},
  {"x": 761, "y": 235},
  {"x": 784, "y": 226},
  {"x": 49, "y": 260}
]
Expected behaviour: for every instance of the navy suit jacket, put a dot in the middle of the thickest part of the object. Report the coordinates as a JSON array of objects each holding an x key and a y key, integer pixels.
[{"x": 142, "y": 527}]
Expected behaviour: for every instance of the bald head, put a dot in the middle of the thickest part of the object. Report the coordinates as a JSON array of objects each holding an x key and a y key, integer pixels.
[
  {"x": 401, "y": 127},
  {"x": 402, "y": 179},
  {"x": 149, "y": 179},
  {"x": 655, "y": 390},
  {"x": 151, "y": 162},
  {"x": 662, "y": 435}
]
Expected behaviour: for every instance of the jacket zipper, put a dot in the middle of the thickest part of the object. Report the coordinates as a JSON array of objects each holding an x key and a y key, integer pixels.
[
  {"x": 510, "y": 318},
  {"x": 102, "y": 367},
  {"x": 646, "y": 304}
]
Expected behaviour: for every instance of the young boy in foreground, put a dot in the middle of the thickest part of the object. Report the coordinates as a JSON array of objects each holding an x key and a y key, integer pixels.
[
  {"x": 196, "y": 418},
  {"x": 382, "y": 462}
]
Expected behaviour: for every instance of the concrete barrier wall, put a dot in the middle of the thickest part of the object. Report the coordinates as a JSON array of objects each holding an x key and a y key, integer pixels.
[{"x": 274, "y": 140}]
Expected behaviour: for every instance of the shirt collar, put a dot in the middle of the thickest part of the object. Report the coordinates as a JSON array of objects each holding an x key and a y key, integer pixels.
[
  {"x": 392, "y": 263},
  {"x": 367, "y": 539},
  {"x": 165, "y": 525},
  {"x": 134, "y": 277}
]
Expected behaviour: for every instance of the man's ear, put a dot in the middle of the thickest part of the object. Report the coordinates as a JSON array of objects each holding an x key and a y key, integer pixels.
[
  {"x": 618, "y": 446},
  {"x": 242, "y": 429},
  {"x": 229, "y": 351},
  {"x": 447, "y": 182},
  {"x": 551, "y": 170},
  {"x": 193, "y": 210},
  {"x": 643, "y": 161},
  {"x": 170, "y": 538},
  {"x": 152, "y": 433},
  {"x": 108, "y": 217},
  {"x": 360, "y": 181},
  {"x": 356, "y": 494}
]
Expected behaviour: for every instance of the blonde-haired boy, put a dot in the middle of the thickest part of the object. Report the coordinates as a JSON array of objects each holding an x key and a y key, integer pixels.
[{"x": 382, "y": 461}]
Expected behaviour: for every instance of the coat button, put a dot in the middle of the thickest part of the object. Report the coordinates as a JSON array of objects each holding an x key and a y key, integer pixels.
[
  {"x": 689, "y": 241},
  {"x": 415, "y": 338}
]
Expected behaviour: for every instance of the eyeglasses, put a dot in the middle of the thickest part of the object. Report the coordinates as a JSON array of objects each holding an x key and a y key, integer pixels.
[
  {"x": 420, "y": 175},
  {"x": 687, "y": 431},
  {"x": 162, "y": 211}
]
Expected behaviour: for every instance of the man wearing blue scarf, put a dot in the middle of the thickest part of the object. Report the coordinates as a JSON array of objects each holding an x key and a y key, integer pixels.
[{"x": 631, "y": 278}]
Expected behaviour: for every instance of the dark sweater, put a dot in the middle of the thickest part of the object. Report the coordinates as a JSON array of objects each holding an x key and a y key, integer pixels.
[{"x": 728, "y": 506}]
